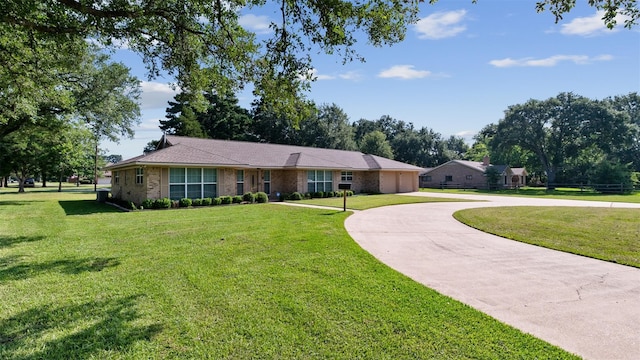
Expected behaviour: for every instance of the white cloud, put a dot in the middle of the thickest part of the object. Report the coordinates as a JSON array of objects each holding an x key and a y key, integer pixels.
[
  {"x": 548, "y": 62},
  {"x": 404, "y": 72},
  {"x": 590, "y": 26},
  {"x": 350, "y": 75},
  {"x": 441, "y": 25},
  {"x": 156, "y": 95},
  {"x": 467, "y": 134},
  {"x": 259, "y": 24}
]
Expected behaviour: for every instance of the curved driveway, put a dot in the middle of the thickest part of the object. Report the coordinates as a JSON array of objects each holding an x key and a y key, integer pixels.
[{"x": 586, "y": 306}]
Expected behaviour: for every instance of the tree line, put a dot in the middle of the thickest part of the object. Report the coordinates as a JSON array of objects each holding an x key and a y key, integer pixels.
[
  {"x": 567, "y": 139},
  {"x": 326, "y": 126}
]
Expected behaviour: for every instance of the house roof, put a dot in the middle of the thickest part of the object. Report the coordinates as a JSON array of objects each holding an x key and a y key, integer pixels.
[
  {"x": 186, "y": 151},
  {"x": 475, "y": 165}
]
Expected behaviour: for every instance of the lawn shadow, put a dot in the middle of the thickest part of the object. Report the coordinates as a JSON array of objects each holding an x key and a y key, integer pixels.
[
  {"x": 15, "y": 269},
  {"x": 7, "y": 241},
  {"x": 85, "y": 207},
  {"x": 94, "y": 329}
]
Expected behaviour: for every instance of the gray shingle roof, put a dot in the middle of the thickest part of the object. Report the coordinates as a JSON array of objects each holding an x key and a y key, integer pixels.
[{"x": 185, "y": 151}]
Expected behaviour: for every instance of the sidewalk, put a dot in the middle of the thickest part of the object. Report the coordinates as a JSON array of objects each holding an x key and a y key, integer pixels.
[{"x": 586, "y": 306}]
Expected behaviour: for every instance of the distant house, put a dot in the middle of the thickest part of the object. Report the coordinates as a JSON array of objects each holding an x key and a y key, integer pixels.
[
  {"x": 465, "y": 174},
  {"x": 184, "y": 167}
]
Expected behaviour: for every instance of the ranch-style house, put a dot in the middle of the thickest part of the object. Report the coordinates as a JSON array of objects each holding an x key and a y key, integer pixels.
[{"x": 184, "y": 167}]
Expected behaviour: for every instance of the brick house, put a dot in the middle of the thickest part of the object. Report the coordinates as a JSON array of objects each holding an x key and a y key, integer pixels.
[
  {"x": 465, "y": 174},
  {"x": 197, "y": 168}
]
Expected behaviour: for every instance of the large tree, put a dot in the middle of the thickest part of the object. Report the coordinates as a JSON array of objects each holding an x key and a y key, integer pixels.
[
  {"x": 375, "y": 143},
  {"x": 204, "y": 46},
  {"x": 558, "y": 130},
  {"x": 329, "y": 128}
]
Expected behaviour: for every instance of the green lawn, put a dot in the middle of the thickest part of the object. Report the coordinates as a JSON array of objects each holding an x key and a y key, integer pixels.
[
  {"x": 80, "y": 280},
  {"x": 559, "y": 193},
  {"x": 611, "y": 234},
  {"x": 363, "y": 202}
]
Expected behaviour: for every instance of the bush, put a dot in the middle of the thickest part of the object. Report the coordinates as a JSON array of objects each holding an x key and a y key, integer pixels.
[
  {"x": 185, "y": 202},
  {"x": 207, "y": 202},
  {"x": 318, "y": 194},
  {"x": 197, "y": 202},
  {"x": 226, "y": 199},
  {"x": 237, "y": 199},
  {"x": 307, "y": 195},
  {"x": 175, "y": 204},
  {"x": 147, "y": 204},
  {"x": 262, "y": 197},
  {"x": 130, "y": 205},
  {"x": 216, "y": 201},
  {"x": 295, "y": 196},
  {"x": 349, "y": 193},
  {"x": 339, "y": 194},
  {"x": 249, "y": 197},
  {"x": 163, "y": 203}
]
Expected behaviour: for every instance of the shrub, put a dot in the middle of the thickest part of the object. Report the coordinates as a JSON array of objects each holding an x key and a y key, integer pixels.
[
  {"x": 349, "y": 193},
  {"x": 216, "y": 201},
  {"x": 318, "y": 194},
  {"x": 163, "y": 203},
  {"x": 339, "y": 193},
  {"x": 307, "y": 195},
  {"x": 262, "y": 197},
  {"x": 248, "y": 197},
  {"x": 197, "y": 202},
  {"x": 330, "y": 194},
  {"x": 129, "y": 205},
  {"x": 226, "y": 199},
  {"x": 295, "y": 196},
  {"x": 147, "y": 204},
  {"x": 185, "y": 202},
  {"x": 207, "y": 202},
  {"x": 237, "y": 199}
]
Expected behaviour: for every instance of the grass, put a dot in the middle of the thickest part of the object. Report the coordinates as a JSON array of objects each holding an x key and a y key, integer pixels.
[
  {"x": 559, "y": 193},
  {"x": 363, "y": 202},
  {"x": 610, "y": 234},
  {"x": 79, "y": 280}
]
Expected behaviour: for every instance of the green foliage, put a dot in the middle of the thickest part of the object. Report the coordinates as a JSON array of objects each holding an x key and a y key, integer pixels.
[
  {"x": 249, "y": 197},
  {"x": 226, "y": 200},
  {"x": 164, "y": 203},
  {"x": 197, "y": 202},
  {"x": 237, "y": 199},
  {"x": 492, "y": 175},
  {"x": 185, "y": 202},
  {"x": 318, "y": 194},
  {"x": 217, "y": 201},
  {"x": 612, "y": 177},
  {"x": 375, "y": 143},
  {"x": 147, "y": 203},
  {"x": 295, "y": 196},
  {"x": 207, "y": 202},
  {"x": 262, "y": 197}
]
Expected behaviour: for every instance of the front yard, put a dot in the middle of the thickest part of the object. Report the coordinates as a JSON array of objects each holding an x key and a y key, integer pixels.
[{"x": 81, "y": 280}]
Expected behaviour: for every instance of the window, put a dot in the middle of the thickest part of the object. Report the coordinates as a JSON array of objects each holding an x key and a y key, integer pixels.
[
  {"x": 319, "y": 180},
  {"x": 469, "y": 177},
  {"x": 266, "y": 179},
  {"x": 116, "y": 177},
  {"x": 346, "y": 176},
  {"x": 239, "y": 182},
  {"x": 139, "y": 175},
  {"x": 448, "y": 178},
  {"x": 426, "y": 178},
  {"x": 192, "y": 183}
]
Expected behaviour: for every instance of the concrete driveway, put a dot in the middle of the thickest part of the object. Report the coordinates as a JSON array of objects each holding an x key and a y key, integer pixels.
[{"x": 585, "y": 306}]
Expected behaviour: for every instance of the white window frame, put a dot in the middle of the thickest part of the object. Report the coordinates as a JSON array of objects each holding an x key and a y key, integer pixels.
[
  {"x": 240, "y": 182},
  {"x": 313, "y": 182},
  {"x": 266, "y": 181},
  {"x": 185, "y": 184},
  {"x": 346, "y": 176},
  {"x": 116, "y": 177},
  {"x": 139, "y": 176}
]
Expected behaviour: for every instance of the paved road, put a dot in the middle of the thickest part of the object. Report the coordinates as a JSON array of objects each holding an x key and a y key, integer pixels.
[{"x": 586, "y": 306}]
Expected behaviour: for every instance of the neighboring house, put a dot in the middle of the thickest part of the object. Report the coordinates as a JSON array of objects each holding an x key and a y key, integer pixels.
[
  {"x": 184, "y": 167},
  {"x": 470, "y": 175}
]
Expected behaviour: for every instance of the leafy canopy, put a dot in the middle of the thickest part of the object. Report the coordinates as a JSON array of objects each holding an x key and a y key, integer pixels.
[{"x": 203, "y": 44}]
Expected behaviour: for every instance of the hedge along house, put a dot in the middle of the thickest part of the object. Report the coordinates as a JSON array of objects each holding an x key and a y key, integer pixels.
[
  {"x": 183, "y": 167},
  {"x": 464, "y": 174}
]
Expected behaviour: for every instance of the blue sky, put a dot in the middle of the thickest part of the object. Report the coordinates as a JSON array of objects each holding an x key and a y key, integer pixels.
[{"x": 458, "y": 69}]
